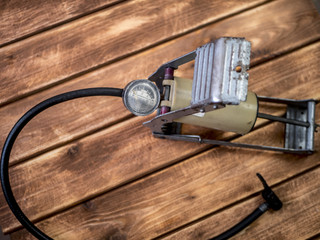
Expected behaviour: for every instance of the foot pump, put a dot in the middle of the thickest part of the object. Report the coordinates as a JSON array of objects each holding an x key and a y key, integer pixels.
[{"x": 216, "y": 98}]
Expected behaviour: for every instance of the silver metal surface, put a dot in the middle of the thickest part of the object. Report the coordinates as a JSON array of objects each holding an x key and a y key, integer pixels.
[
  {"x": 264, "y": 207},
  {"x": 299, "y": 137},
  {"x": 300, "y": 122},
  {"x": 220, "y": 73},
  {"x": 141, "y": 97}
]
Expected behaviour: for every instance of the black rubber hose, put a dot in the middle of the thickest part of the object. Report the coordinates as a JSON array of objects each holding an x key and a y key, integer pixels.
[
  {"x": 243, "y": 224},
  {"x": 6, "y": 187}
]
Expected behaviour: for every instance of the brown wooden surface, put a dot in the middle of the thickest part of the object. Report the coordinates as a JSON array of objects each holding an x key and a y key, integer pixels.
[
  {"x": 116, "y": 138},
  {"x": 20, "y": 19},
  {"x": 300, "y": 197},
  {"x": 90, "y": 42},
  {"x": 88, "y": 169},
  {"x": 69, "y": 126}
]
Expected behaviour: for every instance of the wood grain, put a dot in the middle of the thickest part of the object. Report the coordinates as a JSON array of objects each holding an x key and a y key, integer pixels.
[
  {"x": 118, "y": 158},
  {"x": 48, "y": 130},
  {"x": 296, "y": 220},
  {"x": 20, "y": 19},
  {"x": 103, "y": 175},
  {"x": 182, "y": 193},
  {"x": 87, "y": 43}
]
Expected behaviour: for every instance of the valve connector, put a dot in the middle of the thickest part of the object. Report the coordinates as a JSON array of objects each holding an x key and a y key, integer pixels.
[{"x": 271, "y": 198}]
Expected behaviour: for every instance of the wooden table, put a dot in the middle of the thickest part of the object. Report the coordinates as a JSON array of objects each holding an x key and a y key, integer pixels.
[{"x": 88, "y": 169}]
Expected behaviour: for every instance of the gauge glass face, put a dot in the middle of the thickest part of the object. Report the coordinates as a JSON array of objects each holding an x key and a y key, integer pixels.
[{"x": 141, "y": 97}]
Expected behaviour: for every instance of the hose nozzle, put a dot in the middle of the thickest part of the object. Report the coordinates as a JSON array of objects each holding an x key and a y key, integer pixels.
[{"x": 271, "y": 198}]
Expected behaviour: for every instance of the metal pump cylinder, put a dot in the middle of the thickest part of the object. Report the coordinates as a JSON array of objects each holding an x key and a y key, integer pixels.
[{"x": 232, "y": 118}]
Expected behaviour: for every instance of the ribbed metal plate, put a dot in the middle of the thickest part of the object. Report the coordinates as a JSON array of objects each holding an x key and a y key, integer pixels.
[{"x": 220, "y": 73}]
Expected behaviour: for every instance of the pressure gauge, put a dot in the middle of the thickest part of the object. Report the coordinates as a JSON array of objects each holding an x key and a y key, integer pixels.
[{"x": 141, "y": 97}]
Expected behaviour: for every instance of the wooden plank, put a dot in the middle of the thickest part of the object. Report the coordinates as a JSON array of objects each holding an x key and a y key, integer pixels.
[
  {"x": 20, "y": 19},
  {"x": 317, "y": 237},
  {"x": 64, "y": 168},
  {"x": 180, "y": 194},
  {"x": 118, "y": 158},
  {"x": 98, "y": 39},
  {"x": 296, "y": 220},
  {"x": 55, "y": 131}
]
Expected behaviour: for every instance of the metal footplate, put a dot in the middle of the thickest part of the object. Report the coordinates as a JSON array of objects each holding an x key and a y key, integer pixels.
[
  {"x": 300, "y": 123},
  {"x": 220, "y": 73},
  {"x": 299, "y": 137}
]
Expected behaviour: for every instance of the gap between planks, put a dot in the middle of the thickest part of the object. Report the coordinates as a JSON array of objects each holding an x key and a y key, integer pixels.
[
  {"x": 282, "y": 66},
  {"x": 234, "y": 204},
  {"x": 272, "y": 64},
  {"x": 243, "y": 203},
  {"x": 130, "y": 52},
  {"x": 255, "y": 60},
  {"x": 130, "y": 116},
  {"x": 59, "y": 23},
  {"x": 267, "y": 161}
]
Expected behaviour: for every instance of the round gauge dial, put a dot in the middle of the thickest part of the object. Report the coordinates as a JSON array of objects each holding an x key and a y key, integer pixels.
[{"x": 141, "y": 97}]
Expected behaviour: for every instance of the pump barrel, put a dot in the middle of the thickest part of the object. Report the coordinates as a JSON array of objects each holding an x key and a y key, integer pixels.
[{"x": 232, "y": 118}]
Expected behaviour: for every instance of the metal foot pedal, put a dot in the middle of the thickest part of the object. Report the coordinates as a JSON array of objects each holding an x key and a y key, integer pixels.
[
  {"x": 220, "y": 73},
  {"x": 220, "y": 78},
  {"x": 218, "y": 98}
]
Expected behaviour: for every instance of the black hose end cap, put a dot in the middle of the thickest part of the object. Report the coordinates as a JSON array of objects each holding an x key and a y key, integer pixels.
[{"x": 271, "y": 198}]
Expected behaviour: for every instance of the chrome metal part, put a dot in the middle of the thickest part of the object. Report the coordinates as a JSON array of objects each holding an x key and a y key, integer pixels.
[
  {"x": 299, "y": 120},
  {"x": 299, "y": 137},
  {"x": 141, "y": 97},
  {"x": 220, "y": 73}
]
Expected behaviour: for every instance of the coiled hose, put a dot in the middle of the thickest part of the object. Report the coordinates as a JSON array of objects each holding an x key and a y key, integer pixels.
[{"x": 4, "y": 172}]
